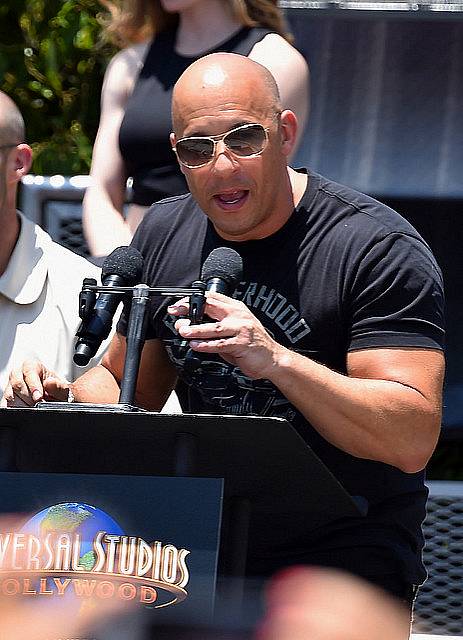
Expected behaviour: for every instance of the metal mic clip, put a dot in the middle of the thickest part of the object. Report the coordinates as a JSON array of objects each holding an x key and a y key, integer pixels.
[
  {"x": 192, "y": 360},
  {"x": 197, "y": 302},
  {"x": 87, "y": 298}
]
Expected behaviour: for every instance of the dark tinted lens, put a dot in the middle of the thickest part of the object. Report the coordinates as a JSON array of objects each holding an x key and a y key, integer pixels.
[
  {"x": 246, "y": 141},
  {"x": 195, "y": 151}
]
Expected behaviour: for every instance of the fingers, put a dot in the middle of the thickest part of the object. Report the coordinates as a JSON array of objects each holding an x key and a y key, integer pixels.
[
  {"x": 55, "y": 388},
  {"x": 231, "y": 315},
  {"x": 236, "y": 327},
  {"x": 28, "y": 382},
  {"x": 32, "y": 383},
  {"x": 180, "y": 308},
  {"x": 210, "y": 336},
  {"x": 217, "y": 306},
  {"x": 24, "y": 386}
]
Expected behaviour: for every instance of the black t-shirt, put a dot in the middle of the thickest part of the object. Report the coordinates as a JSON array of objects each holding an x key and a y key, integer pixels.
[{"x": 344, "y": 273}]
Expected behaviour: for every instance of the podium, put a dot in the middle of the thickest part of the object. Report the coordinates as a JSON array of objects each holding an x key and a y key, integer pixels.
[{"x": 271, "y": 477}]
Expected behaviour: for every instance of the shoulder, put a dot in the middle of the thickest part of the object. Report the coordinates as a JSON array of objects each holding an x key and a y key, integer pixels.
[
  {"x": 171, "y": 217},
  {"x": 359, "y": 230},
  {"x": 368, "y": 216},
  {"x": 63, "y": 270},
  {"x": 124, "y": 67},
  {"x": 67, "y": 267},
  {"x": 182, "y": 205},
  {"x": 131, "y": 58},
  {"x": 278, "y": 55},
  {"x": 61, "y": 262},
  {"x": 170, "y": 239},
  {"x": 290, "y": 71}
]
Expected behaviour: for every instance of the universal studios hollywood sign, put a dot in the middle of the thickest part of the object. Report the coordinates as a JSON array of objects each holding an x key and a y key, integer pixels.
[{"x": 77, "y": 549}]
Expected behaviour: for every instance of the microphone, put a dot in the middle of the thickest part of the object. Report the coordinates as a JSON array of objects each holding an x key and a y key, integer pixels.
[
  {"x": 122, "y": 268},
  {"x": 222, "y": 270}
]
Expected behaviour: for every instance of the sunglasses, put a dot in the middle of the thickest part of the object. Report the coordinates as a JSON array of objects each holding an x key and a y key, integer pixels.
[{"x": 245, "y": 141}]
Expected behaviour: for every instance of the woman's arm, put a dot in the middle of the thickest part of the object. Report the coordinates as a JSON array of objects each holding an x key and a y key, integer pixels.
[
  {"x": 103, "y": 223},
  {"x": 291, "y": 73}
]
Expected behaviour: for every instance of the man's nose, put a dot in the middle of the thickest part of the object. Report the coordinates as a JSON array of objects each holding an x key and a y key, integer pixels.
[{"x": 224, "y": 159}]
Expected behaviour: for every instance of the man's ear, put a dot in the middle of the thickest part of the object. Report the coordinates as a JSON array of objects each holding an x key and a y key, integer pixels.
[
  {"x": 21, "y": 161},
  {"x": 288, "y": 127}
]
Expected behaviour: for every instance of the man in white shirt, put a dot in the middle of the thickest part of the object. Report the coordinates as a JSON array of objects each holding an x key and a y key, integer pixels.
[{"x": 39, "y": 279}]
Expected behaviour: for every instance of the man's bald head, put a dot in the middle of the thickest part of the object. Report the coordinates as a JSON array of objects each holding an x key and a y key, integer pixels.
[
  {"x": 12, "y": 129},
  {"x": 228, "y": 77}
]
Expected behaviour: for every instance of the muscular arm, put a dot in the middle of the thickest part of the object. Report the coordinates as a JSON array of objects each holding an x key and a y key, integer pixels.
[
  {"x": 291, "y": 73},
  {"x": 387, "y": 408},
  {"x": 156, "y": 377},
  {"x": 104, "y": 225}
]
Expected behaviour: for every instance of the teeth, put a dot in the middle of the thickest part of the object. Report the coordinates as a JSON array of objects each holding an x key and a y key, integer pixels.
[{"x": 231, "y": 198}]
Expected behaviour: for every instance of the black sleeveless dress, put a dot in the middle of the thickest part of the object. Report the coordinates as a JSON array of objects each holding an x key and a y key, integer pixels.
[{"x": 144, "y": 133}]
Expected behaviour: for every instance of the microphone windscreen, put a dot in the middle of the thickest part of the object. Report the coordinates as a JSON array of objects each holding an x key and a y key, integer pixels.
[
  {"x": 224, "y": 263},
  {"x": 126, "y": 262}
]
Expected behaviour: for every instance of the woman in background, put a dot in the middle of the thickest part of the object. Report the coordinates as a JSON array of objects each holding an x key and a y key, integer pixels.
[{"x": 161, "y": 39}]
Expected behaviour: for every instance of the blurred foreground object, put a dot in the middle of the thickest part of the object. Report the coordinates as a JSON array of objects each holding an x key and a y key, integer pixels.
[
  {"x": 322, "y": 604},
  {"x": 26, "y": 618}
]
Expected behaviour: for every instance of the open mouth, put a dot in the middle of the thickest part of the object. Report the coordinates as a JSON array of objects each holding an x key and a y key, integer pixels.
[{"x": 231, "y": 200}]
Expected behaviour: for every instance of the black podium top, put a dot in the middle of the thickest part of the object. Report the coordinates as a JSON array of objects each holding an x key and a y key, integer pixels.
[{"x": 262, "y": 459}]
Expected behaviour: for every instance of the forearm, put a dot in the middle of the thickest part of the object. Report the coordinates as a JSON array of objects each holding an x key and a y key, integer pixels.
[
  {"x": 156, "y": 376},
  {"x": 103, "y": 222},
  {"x": 98, "y": 385},
  {"x": 382, "y": 420}
]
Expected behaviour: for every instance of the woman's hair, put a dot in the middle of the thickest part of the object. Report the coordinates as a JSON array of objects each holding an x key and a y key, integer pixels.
[{"x": 133, "y": 21}]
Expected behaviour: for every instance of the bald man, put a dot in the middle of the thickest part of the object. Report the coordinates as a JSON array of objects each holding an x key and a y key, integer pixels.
[
  {"x": 336, "y": 325},
  {"x": 39, "y": 280}
]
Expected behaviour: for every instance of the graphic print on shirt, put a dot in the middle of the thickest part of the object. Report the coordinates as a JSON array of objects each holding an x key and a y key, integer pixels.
[{"x": 223, "y": 385}]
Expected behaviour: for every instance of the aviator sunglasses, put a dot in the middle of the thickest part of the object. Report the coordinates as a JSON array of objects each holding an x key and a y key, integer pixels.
[{"x": 245, "y": 141}]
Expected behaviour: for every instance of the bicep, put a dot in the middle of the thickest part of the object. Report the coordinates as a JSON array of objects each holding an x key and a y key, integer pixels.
[
  {"x": 418, "y": 369},
  {"x": 156, "y": 376}
]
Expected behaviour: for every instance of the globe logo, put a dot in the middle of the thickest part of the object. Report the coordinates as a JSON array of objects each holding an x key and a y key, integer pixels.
[{"x": 73, "y": 518}]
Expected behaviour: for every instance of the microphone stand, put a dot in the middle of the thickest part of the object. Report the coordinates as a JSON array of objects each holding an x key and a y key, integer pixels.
[
  {"x": 136, "y": 327},
  {"x": 136, "y": 331}
]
